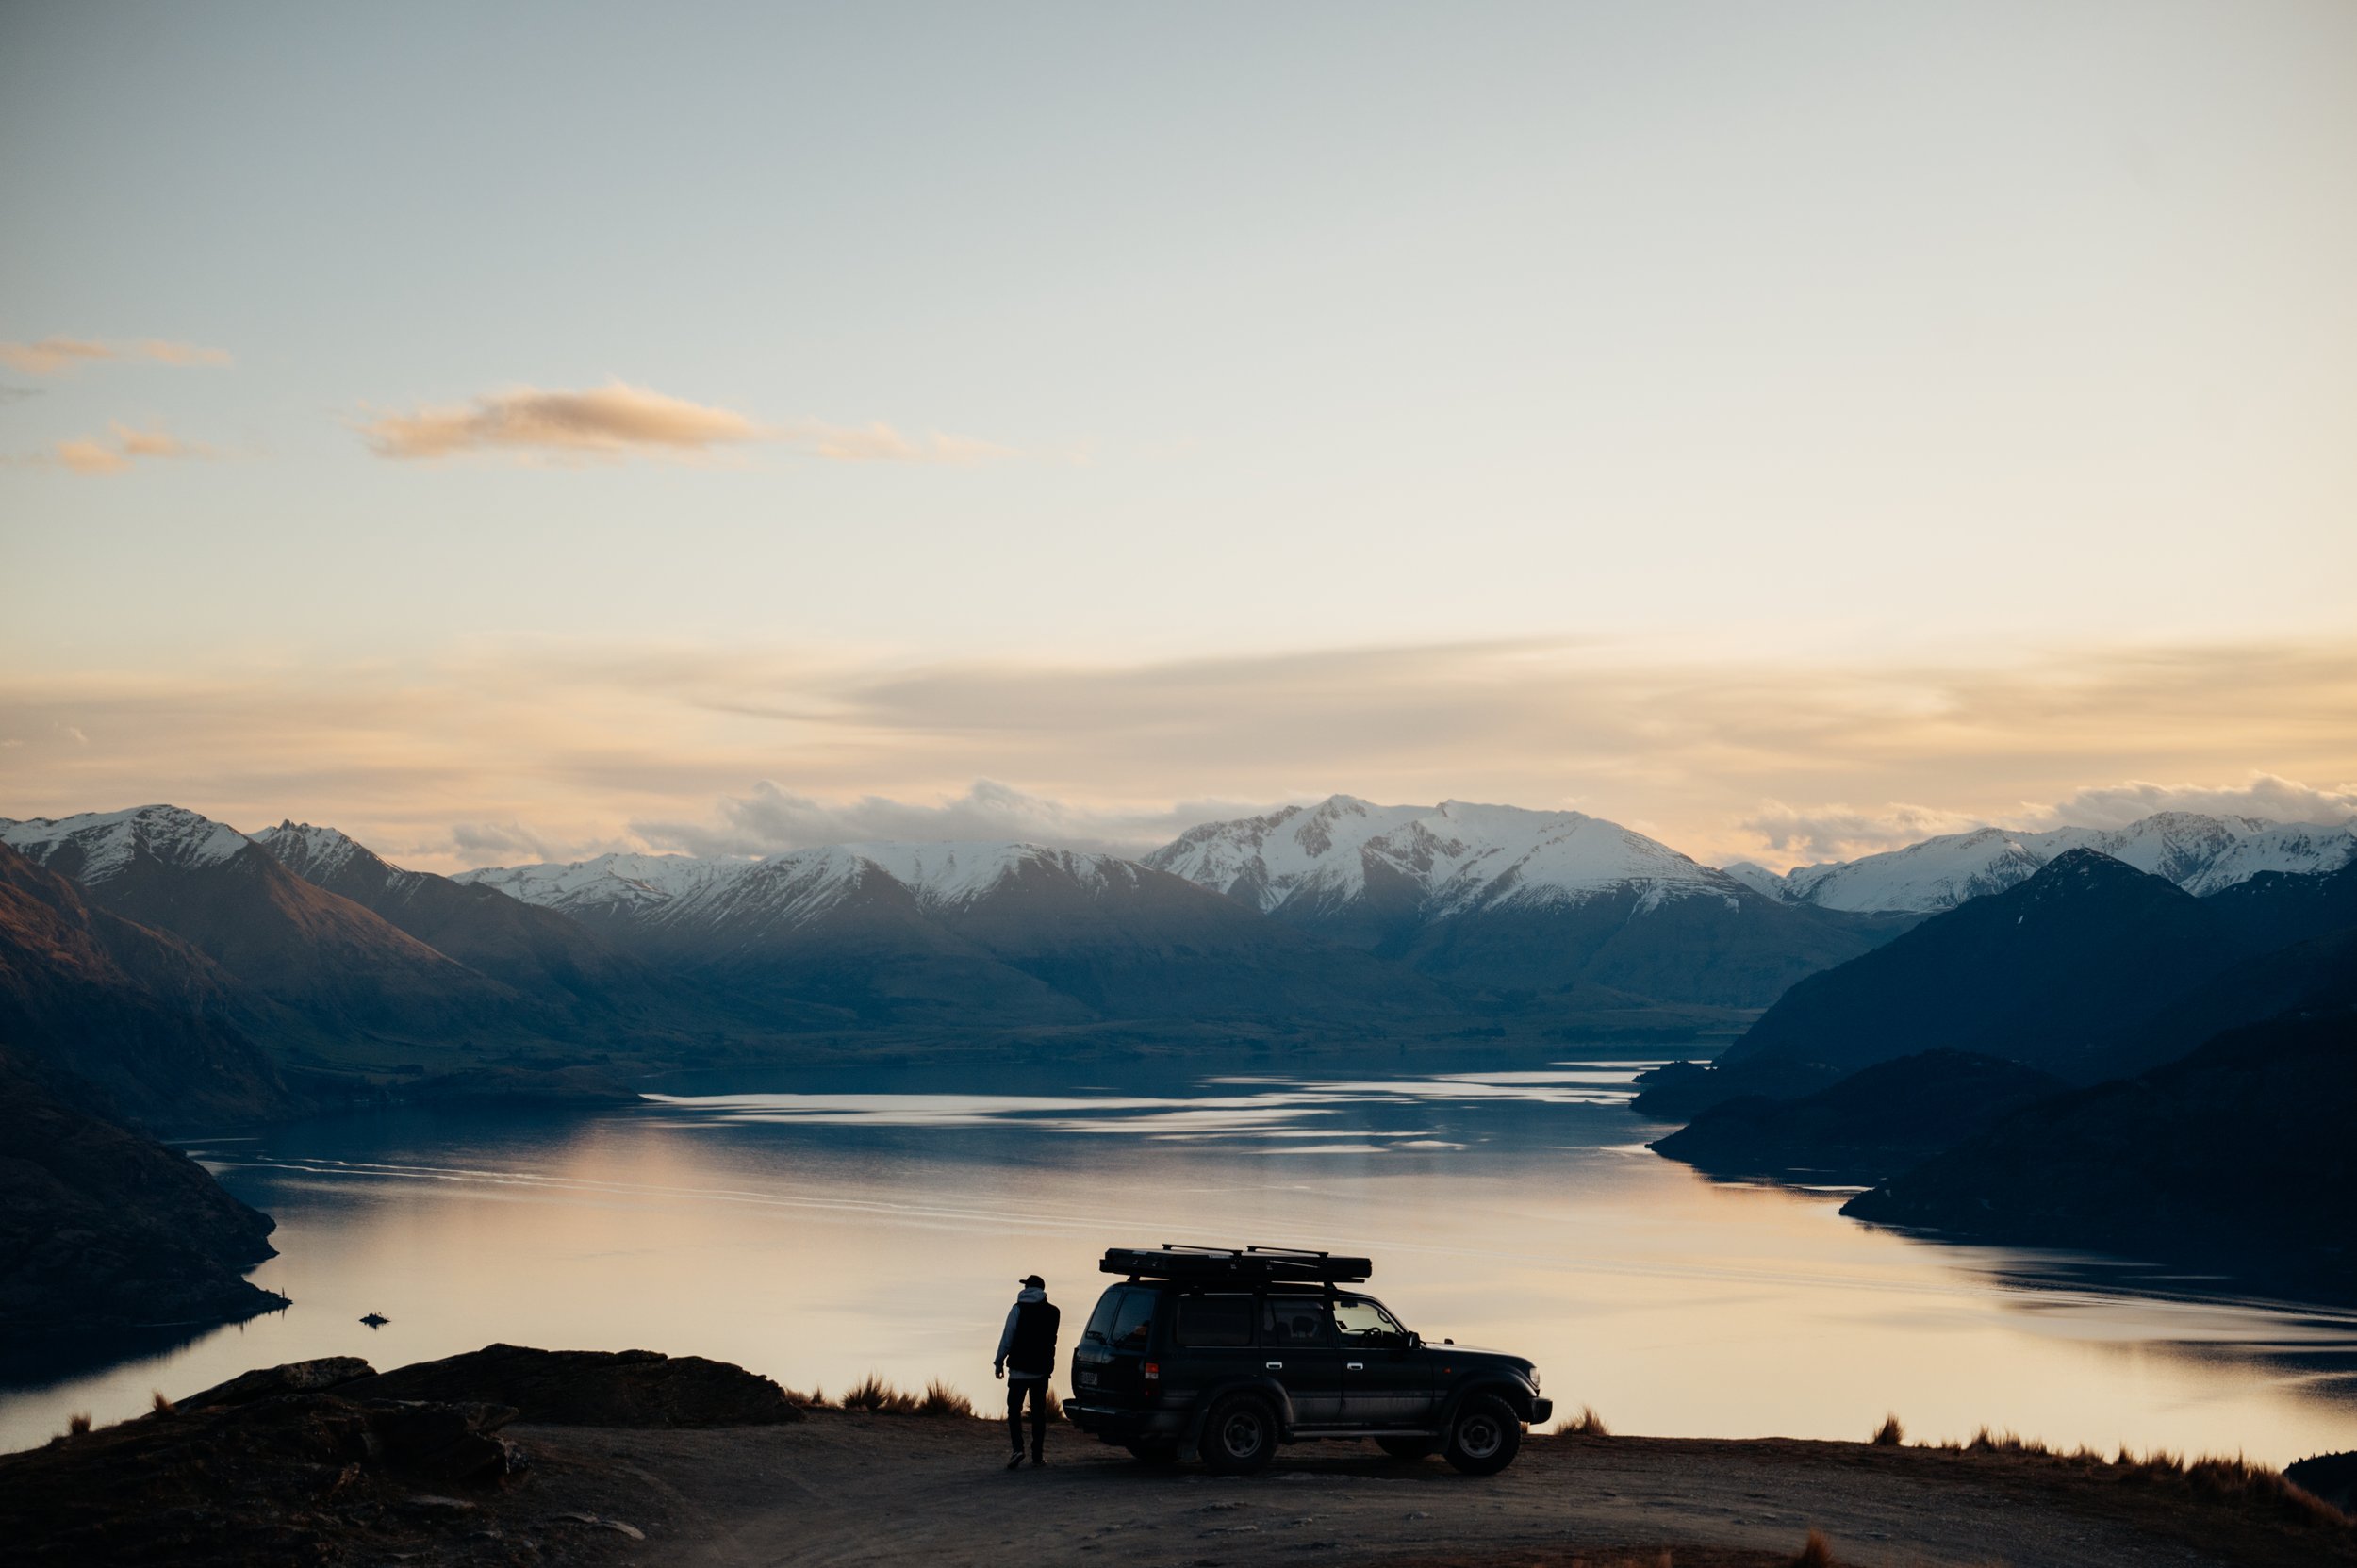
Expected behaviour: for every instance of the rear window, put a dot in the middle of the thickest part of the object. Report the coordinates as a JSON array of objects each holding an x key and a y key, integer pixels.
[
  {"x": 1209, "y": 1322},
  {"x": 1124, "y": 1317}
]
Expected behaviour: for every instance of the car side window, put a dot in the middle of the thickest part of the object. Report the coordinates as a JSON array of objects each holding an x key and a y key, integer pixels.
[
  {"x": 1134, "y": 1322},
  {"x": 1210, "y": 1322},
  {"x": 1365, "y": 1322},
  {"x": 1296, "y": 1320}
]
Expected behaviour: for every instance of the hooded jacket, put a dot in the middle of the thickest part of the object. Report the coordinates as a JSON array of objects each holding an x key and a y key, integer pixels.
[{"x": 1027, "y": 1345}]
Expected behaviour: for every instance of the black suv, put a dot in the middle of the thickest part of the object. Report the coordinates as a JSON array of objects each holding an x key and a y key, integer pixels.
[{"x": 1234, "y": 1351}]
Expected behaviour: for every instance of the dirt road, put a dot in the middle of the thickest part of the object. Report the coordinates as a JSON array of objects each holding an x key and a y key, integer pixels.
[{"x": 843, "y": 1489}]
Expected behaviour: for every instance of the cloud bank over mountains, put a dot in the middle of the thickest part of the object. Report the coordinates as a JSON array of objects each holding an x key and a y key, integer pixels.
[
  {"x": 550, "y": 750},
  {"x": 773, "y": 819},
  {"x": 1837, "y": 831}
]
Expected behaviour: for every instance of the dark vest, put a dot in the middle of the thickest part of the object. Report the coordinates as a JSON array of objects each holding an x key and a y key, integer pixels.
[{"x": 1034, "y": 1346}]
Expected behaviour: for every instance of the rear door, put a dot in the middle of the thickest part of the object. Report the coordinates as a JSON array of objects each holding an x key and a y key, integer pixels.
[
  {"x": 1209, "y": 1342},
  {"x": 1298, "y": 1349},
  {"x": 1109, "y": 1364}
]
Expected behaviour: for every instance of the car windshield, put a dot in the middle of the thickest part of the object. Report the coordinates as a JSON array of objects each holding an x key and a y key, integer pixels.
[{"x": 1364, "y": 1321}]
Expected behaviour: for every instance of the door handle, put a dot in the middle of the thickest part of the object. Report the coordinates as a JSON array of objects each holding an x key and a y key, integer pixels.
[
  {"x": 1276, "y": 1366},
  {"x": 1354, "y": 1366}
]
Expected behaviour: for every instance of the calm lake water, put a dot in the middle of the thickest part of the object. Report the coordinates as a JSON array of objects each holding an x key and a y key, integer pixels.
[{"x": 877, "y": 1222}]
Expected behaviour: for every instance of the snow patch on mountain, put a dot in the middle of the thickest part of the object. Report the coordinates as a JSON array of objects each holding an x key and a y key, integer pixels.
[
  {"x": 108, "y": 841},
  {"x": 313, "y": 854},
  {"x": 624, "y": 881}
]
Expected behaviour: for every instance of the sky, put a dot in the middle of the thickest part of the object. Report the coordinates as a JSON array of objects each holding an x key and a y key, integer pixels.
[{"x": 517, "y": 432}]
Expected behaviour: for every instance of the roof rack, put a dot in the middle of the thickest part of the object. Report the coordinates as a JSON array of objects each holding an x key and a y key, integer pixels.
[{"x": 1190, "y": 1262}]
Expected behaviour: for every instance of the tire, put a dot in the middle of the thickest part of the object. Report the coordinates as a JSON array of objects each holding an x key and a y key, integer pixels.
[
  {"x": 1239, "y": 1436},
  {"x": 1147, "y": 1451},
  {"x": 1407, "y": 1447},
  {"x": 1484, "y": 1436}
]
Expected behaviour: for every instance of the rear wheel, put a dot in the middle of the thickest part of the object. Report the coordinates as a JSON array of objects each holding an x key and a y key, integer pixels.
[
  {"x": 1407, "y": 1447},
  {"x": 1485, "y": 1436},
  {"x": 1239, "y": 1436}
]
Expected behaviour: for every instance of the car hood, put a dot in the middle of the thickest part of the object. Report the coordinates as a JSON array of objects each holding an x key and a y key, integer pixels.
[{"x": 1476, "y": 1353}]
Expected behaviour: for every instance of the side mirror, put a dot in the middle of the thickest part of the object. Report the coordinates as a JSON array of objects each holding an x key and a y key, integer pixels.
[{"x": 1415, "y": 1340}]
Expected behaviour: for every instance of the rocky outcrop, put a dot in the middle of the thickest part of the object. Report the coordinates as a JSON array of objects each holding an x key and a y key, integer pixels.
[
  {"x": 102, "y": 1227},
  {"x": 593, "y": 1388},
  {"x": 289, "y": 1478}
]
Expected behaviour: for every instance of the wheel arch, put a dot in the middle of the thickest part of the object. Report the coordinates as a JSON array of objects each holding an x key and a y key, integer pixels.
[
  {"x": 1509, "y": 1389},
  {"x": 1267, "y": 1388}
]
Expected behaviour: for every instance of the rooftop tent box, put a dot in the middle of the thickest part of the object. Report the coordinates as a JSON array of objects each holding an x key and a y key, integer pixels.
[{"x": 1241, "y": 1266}]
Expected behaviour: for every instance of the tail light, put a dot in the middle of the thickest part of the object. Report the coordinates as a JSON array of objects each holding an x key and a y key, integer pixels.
[{"x": 1153, "y": 1371}]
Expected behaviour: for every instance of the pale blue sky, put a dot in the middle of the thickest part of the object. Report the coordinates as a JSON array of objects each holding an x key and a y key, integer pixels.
[{"x": 1848, "y": 335}]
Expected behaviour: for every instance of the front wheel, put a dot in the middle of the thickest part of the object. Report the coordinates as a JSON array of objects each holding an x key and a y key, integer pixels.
[
  {"x": 1407, "y": 1447},
  {"x": 1485, "y": 1437},
  {"x": 1239, "y": 1436}
]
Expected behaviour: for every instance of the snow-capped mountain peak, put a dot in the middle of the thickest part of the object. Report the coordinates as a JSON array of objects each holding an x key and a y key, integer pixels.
[
  {"x": 311, "y": 852},
  {"x": 1453, "y": 857},
  {"x": 95, "y": 846}
]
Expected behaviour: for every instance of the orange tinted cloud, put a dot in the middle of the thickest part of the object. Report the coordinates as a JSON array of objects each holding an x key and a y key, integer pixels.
[
  {"x": 53, "y": 354},
  {"x": 128, "y": 446},
  {"x": 618, "y": 420},
  {"x": 605, "y": 421}
]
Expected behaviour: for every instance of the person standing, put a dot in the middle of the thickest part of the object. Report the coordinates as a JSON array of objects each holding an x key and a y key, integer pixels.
[{"x": 1026, "y": 1355}]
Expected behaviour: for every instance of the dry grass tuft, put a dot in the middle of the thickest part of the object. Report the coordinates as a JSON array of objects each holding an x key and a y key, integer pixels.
[
  {"x": 873, "y": 1393},
  {"x": 77, "y": 1425},
  {"x": 1890, "y": 1434},
  {"x": 163, "y": 1406},
  {"x": 1586, "y": 1424},
  {"x": 2212, "y": 1480},
  {"x": 942, "y": 1400},
  {"x": 1816, "y": 1552}
]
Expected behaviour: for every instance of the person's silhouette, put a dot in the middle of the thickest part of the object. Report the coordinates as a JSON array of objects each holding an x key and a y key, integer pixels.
[{"x": 1026, "y": 1356}]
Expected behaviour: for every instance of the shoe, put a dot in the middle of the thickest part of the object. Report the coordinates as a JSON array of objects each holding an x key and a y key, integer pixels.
[
  {"x": 1039, "y": 1461},
  {"x": 1016, "y": 1462}
]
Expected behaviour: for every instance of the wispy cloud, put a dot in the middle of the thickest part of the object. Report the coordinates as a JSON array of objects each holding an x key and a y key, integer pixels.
[
  {"x": 123, "y": 448},
  {"x": 620, "y": 421},
  {"x": 55, "y": 355},
  {"x": 880, "y": 443}
]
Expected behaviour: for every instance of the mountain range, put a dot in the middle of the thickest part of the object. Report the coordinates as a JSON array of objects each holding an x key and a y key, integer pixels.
[{"x": 925, "y": 933}]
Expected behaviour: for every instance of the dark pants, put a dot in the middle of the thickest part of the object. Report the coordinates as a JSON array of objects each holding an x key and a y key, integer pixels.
[{"x": 1037, "y": 1389}]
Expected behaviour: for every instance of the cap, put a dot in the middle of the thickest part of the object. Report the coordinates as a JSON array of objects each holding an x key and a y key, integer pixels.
[{"x": 1035, "y": 1281}]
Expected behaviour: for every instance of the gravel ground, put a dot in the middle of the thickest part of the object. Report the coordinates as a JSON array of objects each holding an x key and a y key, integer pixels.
[{"x": 843, "y": 1489}]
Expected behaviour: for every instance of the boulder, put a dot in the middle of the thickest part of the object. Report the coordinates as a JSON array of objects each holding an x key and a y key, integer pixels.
[{"x": 270, "y": 1382}]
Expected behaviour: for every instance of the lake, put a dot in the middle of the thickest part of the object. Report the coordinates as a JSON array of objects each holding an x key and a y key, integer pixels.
[{"x": 877, "y": 1221}]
